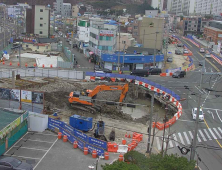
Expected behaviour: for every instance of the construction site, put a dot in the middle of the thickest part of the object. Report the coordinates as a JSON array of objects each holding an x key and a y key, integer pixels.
[{"x": 131, "y": 108}]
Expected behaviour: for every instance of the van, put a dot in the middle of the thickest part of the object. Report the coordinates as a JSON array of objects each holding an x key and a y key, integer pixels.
[
  {"x": 155, "y": 71},
  {"x": 140, "y": 72}
]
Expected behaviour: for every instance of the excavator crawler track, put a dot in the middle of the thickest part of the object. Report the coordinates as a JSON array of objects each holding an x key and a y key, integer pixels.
[{"x": 91, "y": 109}]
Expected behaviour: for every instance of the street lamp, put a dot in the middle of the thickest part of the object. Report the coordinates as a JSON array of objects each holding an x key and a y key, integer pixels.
[{"x": 165, "y": 120}]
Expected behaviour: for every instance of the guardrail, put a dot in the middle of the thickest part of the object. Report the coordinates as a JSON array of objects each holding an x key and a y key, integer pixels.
[{"x": 173, "y": 97}]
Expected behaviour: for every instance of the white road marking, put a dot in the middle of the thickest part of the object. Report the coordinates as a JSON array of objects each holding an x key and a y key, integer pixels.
[
  {"x": 205, "y": 98},
  {"x": 171, "y": 144},
  {"x": 207, "y": 134},
  {"x": 175, "y": 139},
  {"x": 193, "y": 121},
  {"x": 37, "y": 140},
  {"x": 212, "y": 133},
  {"x": 210, "y": 113},
  {"x": 189, "y": 97},
  {"x": 178, "y": 90},
  {"x": 191, "y": 135},
  {"x": 158, "y": 143},
  {"x": 215, "y": 130},
  {"x": 202, "y": 135},
  {"x": 30, "y": 148},
  {"x": 15, "y": 144},
  {"x": 181, "y": 138},
  {"x": 21, "y": 156},
  {"x": 218, "y": 116},
  {"x": 45, "y": 154},
  {"x": 199, "y": 140},
  {"x": 43, "y": 134},
  {"x": 211, "y": 109},
  {"x": 199, "y": 90},
  {"x": 194, "y": 100},
  {"x": 187, "y": 139}
]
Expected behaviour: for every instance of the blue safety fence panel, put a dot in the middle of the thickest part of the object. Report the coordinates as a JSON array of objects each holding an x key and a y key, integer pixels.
[
  {"x": 72, "y": 138},
  {"x": 100, "y": 74},
  {"x": 110, "y": 75},
  {"x": 56, "y": 122},
  {"x": 123, "y": 76},
  {"x": 81, "y": 144},
  {"x": 98, "y": 150},
  {"x": 139, "y": 78},
  {"x": 158, "y": 86},
  {"x": 168, "y": 91},
  {"x": 68, "y": 128},
  {"x": 81, "y": 135},
  {"x": 97, "y": 142},
  {"x": 90, "y": 74},
  {"x": 52, "y": 126}
]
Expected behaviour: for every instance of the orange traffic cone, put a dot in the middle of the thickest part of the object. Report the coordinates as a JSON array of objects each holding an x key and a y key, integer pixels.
[
  {"x": 51, "y": 66},
  {"x": 43, "y": 66},
  {"x": 129, "y": 136},
  {"x": 26, "y": 65},
  {"x": 126, "y": 135},
  {"x": 18, "y": 64},
  {"x": 10, "y": 63},
  {"x": 34, "y": 64}
]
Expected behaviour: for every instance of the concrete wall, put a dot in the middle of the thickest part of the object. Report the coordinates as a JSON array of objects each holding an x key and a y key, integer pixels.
[
  {"x": 75, "y": 11},
  {"x": 147, "y": 32},
  {"x": 41, "y": 18},
  {"x": 126, "y": 40}
]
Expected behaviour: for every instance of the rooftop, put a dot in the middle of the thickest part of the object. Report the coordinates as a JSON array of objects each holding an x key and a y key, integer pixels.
[{"x": 212, "y": 28}]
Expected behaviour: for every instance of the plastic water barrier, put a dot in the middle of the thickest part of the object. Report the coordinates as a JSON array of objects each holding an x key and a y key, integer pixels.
[{"x": 174, "y": 98}]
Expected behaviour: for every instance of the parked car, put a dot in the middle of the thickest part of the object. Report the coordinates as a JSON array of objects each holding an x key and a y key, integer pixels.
[
  {"x": 194, "y": 114},
  {"x": 178, "y": 52},
  {"x": 180, "y": 45},
  {"x": 185, "y": 51},
  {"x": 202, "y": 50},
  {"x": 74, "y": 46},
  {"x": 179, "y": 74},
  {"x": 155, "y": 71},
  {"x": 96, "y": 67},
  {"x": 10, "y": 163},
  {"x": 170, "y": 59},
  {"x": 106, "y": 70},
  {"x": 207, "y": 55},
  {"x": 140, "y": 72}
]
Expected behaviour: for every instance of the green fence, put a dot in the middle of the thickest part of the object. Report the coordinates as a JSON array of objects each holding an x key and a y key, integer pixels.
[
  {"x": 2, "y": 146},
  {"x": 17, "y": 133},
  {"x": 8, "y": 49}
]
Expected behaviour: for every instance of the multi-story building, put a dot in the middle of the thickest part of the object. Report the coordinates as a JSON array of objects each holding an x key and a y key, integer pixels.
[
  {"x": 75, "y": 11},
  {"x": 125, "y": 40},
  {"x": 213, "y": 33},
  {"x": 208, "y": 7},
  {"x": 151, "y": 32},
  {"x": 58, "y": 7},
  {"x": 181, "y": 7},
  {"x": 194, "y": 25},
  {"x": 136, "y": 30},
  {"x": 67, "y": 10},
  {"x": 38, "y": 20},
  {"x": 103, "y": 36},
  {"x": 83, "y": 31}
]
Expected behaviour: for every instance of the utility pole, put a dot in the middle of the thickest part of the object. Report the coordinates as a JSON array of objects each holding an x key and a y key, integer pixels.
[
  {"x": 193, "y": 146},
  {"x": 150, "y": 123},
  {"x": 4, "y": 25},
  {"x": 154, "y": 57},
  {"x": 53, "y": 31},
  {"x": 143, "y": 37},
  {"x": 119, "y": 51},
  {"x": 164, "y": 128},
  {"x": 124, "y": 53},
  {"x": 20, "y": 55}
]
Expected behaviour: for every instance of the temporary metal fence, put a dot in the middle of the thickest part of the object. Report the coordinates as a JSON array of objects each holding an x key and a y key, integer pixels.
[{"x": 38, "y": 72}]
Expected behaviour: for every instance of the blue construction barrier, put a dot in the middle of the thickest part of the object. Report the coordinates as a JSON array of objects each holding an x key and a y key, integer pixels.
[{"x": 75, "y": 135}]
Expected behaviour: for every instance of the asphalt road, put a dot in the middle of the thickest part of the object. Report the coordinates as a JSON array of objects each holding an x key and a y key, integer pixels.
[{"x": 210, "y": 131}]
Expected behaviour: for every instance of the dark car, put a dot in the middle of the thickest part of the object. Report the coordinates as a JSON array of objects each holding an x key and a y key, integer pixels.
[
  {"x": 178, "y": 52},
  {"x": 170, "y": 59},
  {"x": 105, "y": 70},
  {"x": 140, "y": 72},
  {"x": 179, "y": 74},
  {"x": 97, "y": 68},
  {"x": 10, "y": 163},
  {"x": 180, "y": 45},
  {"x": 155, "y": 71}
]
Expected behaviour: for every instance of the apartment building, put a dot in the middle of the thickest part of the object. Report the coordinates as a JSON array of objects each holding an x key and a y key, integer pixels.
[
  {"x": 38, "y": 20},
  {"x": 208, "y": 7},
  {"x": 67, "y": 10},
  {"x": 75, "y": 11},
  {"x": 125, "y": 40},
  {"x": 213, "y": 33},
  {"x": 194, "y": 25},
  {"x": 182, "y": 7},
  {"x": 63, "y": 9}
]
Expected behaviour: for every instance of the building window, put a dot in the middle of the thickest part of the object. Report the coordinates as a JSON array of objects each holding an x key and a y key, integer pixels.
[
  {"x": 195, "y": 26},
  {"x": 135, "y": 27},
  {"x": 123, "y": 42},
  {"x": 40, "y": 32},
  {"x": 46, "y": 47},
  {"x": 108, "y": 38},
  {"x": 27, "y": 45},
  {"x": 41, "y": 10},
  {"x": 41, "y": 18},
  {"x": 37, "y": 47},
  {"x": 41, "y": 25}
]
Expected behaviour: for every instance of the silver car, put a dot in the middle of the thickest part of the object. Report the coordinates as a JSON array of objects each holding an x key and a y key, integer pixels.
[
  {"x": 207, "y": 55},
  {"x": 11, "y": 163}
]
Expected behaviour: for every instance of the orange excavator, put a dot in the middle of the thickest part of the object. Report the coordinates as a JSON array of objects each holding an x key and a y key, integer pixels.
[{"x": 83, "y": 100}]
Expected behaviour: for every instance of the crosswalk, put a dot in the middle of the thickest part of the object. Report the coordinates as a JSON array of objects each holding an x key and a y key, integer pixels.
[{"x": 185, "y": 138}]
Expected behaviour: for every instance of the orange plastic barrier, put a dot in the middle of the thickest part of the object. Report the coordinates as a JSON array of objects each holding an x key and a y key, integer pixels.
[
  {"x": 123, "y": 141},
  {"x": 75, "y": 145},
  {"x": 94, "y": 154},
  {"x": 112, "y": 147},
  {"x": 106, "y": 155},
  {"x": 121, "y": 158},
  {"x": 65, "y": 138},
  {"x": 129, "y": 147},
  {"x": 26, "y": 65},
  {"x": 85, "y": 151},
  {"x": 59, "y": 135},
  {"x": 10, "y": 63}
]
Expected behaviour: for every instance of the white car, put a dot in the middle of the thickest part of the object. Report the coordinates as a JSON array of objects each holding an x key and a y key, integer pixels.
[
  {"x": 207, "y": 55},
  {"x": 202, "y": 50},
  {"x": 194, "y": 114}
]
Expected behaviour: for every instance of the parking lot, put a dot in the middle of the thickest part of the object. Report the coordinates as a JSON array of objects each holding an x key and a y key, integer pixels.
[
  {"x": 45, "y": 152},
  {"x": 32, "y": 147}
]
